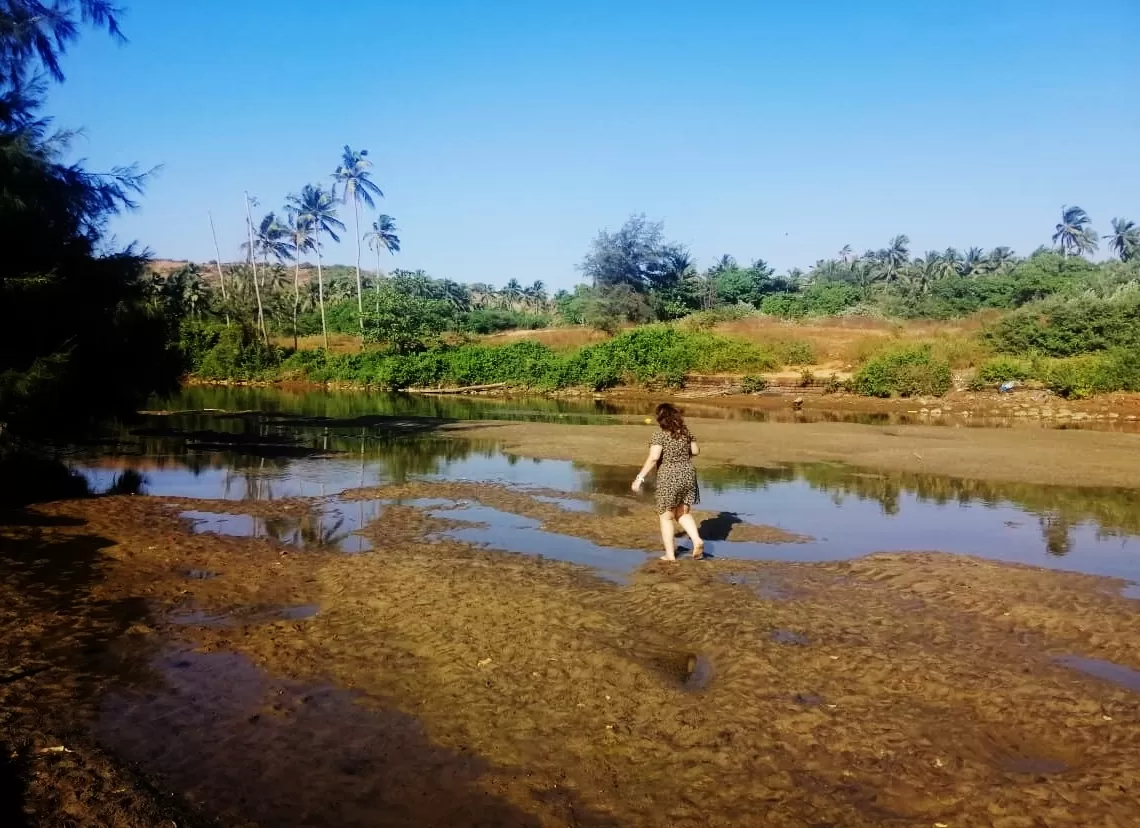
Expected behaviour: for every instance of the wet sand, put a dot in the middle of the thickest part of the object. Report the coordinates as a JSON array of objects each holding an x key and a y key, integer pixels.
[
  {"x": 430, "y": 681},
  {"x": 1050, "y": 457}
]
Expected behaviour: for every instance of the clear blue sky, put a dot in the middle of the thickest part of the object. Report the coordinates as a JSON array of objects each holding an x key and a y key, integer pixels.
[{"x": 506, "y": 133}]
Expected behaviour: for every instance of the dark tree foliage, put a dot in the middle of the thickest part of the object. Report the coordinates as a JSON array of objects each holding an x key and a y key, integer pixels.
[{"x": 78, "y": 339}]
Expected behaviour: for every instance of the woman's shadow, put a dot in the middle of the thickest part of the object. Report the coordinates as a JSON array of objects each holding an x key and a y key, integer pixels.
[{"x": 717, "y": 528}]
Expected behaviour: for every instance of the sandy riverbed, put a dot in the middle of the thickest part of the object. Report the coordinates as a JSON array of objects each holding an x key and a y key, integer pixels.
[{"x": 430, "y": 682}]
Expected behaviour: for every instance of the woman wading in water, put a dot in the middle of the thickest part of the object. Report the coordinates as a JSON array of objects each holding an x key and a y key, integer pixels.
[{"x": 671, "y": 451}]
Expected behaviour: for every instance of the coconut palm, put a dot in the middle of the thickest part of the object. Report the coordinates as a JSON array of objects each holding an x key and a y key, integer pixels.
[
  {"x": 315, "y": 207},
  {"x": 300, "y": 241},
  {"x": 974, "y": 262},
  {"x": 357, "y": 186},
  {"x": 537, "y": 294},
  {"x": 891, "y": 261},
  {"x": 1074, "y": 233},
  {"x": 512, "y": 293},
  {"x": 1124, "y": 240},
  {"x": 1002, "y": 259},
  {"x": 382, "y": 237},
  {"x": 949, "y": 264},
  {"x": 846, "y": 255}
]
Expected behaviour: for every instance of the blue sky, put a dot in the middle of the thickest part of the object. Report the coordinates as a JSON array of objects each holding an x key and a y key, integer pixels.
[{"x": 506, "y": 134}]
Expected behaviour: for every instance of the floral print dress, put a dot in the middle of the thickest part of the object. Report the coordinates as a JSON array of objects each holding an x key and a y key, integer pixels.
[{"x": 676, "y": 476}]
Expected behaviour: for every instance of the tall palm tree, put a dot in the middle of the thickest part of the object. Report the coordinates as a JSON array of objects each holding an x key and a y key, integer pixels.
[
  {"x": 974, "y": 262},
  {"x": 892, "y": 260},
  {"x": 300, "y": 242},
  {"x": 1074, "y": 233},
  {"x": 538, "y": 295},
  {"x": 251, "y": 249},
  {"x": 1002, "y": 259},
  {"x": 512, "y": 293},
  {"x": 357, "y": 186},
  {"x": 1124, "y": 240},
  {"x": 315, "y": 207},
  {"x": 949, "y": 264},
  {"x": 845, "y": 254},
  {"x": 381, "y": 237}
]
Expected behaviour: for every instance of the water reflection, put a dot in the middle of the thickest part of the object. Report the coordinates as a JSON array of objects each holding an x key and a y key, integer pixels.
[
  {"x": 331, "y": 526},
  {"x": 848, "y": 511}
]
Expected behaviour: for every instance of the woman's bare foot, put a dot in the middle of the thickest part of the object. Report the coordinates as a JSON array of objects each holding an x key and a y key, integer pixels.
[
  {"x": 698, "y": 551},
  {"x": 667, "y": 558}
]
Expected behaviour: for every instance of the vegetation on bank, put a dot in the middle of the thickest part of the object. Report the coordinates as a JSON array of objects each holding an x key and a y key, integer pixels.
[{"x": 1051, "y": 307}]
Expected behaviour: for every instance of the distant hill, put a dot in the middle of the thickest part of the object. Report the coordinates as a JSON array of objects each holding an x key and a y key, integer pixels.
[{"x": 164, "y": 267}]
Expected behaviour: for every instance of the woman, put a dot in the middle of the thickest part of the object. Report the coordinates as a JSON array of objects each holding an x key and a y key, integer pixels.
[{"x": 672, "y": 450}]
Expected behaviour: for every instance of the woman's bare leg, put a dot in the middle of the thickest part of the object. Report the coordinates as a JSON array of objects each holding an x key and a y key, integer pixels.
[
  {"x": 667, "y": 532},
  {"x": 689, "y": 524}
]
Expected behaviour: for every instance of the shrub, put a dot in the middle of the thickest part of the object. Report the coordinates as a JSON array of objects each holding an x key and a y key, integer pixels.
[
  {"x": 1003, "y": 369},
  {"x": 1083, "y": 376},
  {"x": 795, "y": 352},
  {"x": 907, "y": 372},
  {"x": 752, "y": 384},
  {"x": 1062, "y": 327},
  {"x": 238, "y": 353},
  {"x": 494, "y": 320}
]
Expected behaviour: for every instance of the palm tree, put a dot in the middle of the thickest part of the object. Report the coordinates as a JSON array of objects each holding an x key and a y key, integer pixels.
[
  {"x": 357, "y": 186},
  {"x": 315, "y": 207},
  {"x": 512, "y": 293},
  {"x": 949, "y": 264},
  {"x": 845, "y": 254},
  {"x": 300, "y": 242},
  {"x": 537, "y": 293},
  {"x": 383, "y": 236},
  {"x": 1074, "y": 233},
  {"x": 892, "y": 260},
  {"x": 974, "y": 263},
  {"x": 250, "y": 248},
  {"x": 1124, "y": 240},
  {"x": 1002, "y": 259}
]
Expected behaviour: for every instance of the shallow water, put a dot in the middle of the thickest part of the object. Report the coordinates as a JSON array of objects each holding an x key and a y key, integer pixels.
[
  {"x": 332, "y": 525},
  {"x": 1108, "y": 671},
  {"x": 847, "y": 512}
]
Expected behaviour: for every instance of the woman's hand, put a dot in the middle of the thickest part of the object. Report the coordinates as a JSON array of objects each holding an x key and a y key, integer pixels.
[{"x": 637, "y": 483}]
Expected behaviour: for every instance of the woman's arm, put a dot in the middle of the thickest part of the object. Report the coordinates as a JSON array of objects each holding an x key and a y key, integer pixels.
[
  {"x": 650, "y": 464},
  {"x": 694, "y": 449}
]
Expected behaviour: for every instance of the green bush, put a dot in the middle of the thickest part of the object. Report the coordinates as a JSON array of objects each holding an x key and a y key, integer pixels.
[
  {"x": 1062, "y": 327},
  {"x": 752, "y": 384},
  {"x": 1083, "y": 376},
  {"x": 906, "y": 372},
  {"x": 238, "y": 353},
  {"x": 494, "y": 320},
  {"x": 1003, "y": 369}
]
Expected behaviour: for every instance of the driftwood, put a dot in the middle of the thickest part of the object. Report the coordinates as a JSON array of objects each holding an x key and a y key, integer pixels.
[{"x": 467, "y": 389}]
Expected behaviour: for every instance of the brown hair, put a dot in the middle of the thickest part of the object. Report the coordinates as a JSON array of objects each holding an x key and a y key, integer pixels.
[{"x": 670, "y": 419}]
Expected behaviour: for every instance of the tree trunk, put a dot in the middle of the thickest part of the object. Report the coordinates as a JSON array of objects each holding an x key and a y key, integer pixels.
[
  {"x": 296, "y": 295},
  {"x": 321, "y": 294},
  {"x": 253, "y": 267},
  {"x": 359, "y": 284},
  {"x": 218, "y": 262}
]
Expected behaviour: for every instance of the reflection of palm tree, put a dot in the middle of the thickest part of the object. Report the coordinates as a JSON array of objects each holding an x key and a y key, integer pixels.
[{"x": 1058, "y": 542}]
